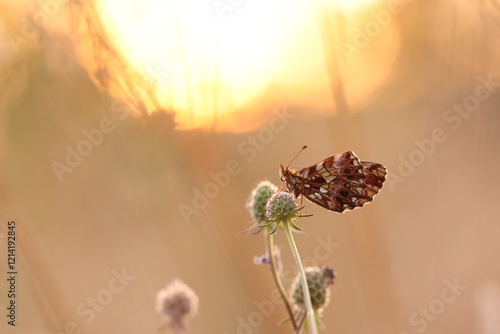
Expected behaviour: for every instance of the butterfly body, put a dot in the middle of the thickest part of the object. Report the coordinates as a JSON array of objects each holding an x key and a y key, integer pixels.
[{"x": 340, "y": 182}]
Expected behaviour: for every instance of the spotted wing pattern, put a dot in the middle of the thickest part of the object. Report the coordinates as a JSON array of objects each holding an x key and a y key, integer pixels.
[{"x": 338, "y": 183}]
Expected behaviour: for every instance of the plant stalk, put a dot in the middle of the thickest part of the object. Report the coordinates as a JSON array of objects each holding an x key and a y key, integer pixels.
[
  {"x": 311, "y": 320},
  {"x": 277, "y": 279}
]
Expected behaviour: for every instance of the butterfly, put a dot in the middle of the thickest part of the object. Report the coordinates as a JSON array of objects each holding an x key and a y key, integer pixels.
[{"x": 340, "y": 182}]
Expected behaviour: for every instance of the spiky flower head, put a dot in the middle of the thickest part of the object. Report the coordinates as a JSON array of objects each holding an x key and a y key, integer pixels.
[
  {"x": 282, "y": 208},
  {"x": 177, "y": 303},
  {"x": 318, "y": 280},
  {"x": 258, "y": 199}
]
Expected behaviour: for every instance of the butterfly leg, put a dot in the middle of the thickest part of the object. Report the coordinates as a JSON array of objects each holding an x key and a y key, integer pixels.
[{"x": 300, "y": 204}]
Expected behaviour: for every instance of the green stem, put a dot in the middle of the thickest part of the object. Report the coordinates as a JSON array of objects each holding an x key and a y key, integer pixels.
[
  {"x": 311, "y": 321},
  {"x": 277, "y": 279}
]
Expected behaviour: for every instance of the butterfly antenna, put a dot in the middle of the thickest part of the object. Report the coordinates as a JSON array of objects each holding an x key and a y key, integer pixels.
[{"x": 296, "y": 155}]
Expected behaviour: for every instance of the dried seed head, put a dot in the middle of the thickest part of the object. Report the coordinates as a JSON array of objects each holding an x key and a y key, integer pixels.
[
  {"x": 177, "y": 302},
  {"x": 317, "y": 281},
  {"x": 258, "y": 199}
]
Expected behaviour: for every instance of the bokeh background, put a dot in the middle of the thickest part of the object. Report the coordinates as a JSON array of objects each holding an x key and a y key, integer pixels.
[{"x": 185, "y": 92}]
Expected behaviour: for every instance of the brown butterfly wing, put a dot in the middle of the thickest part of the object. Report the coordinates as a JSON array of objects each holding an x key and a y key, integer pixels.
[{"x": 338, "y": 183}]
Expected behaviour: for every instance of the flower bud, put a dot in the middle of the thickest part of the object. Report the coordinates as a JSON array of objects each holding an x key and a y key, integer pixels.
[
  {"x": 281, "y": 207},
  {"x": 258, "y": 199},
  {"x": 317, "y": 280}
]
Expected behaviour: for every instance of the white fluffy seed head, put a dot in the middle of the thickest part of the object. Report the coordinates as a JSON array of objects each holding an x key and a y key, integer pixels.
[{"x": 177, "y": 303}]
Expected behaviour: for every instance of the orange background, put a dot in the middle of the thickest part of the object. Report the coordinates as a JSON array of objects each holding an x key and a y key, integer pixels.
[{"x": 435, "y": 221}]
